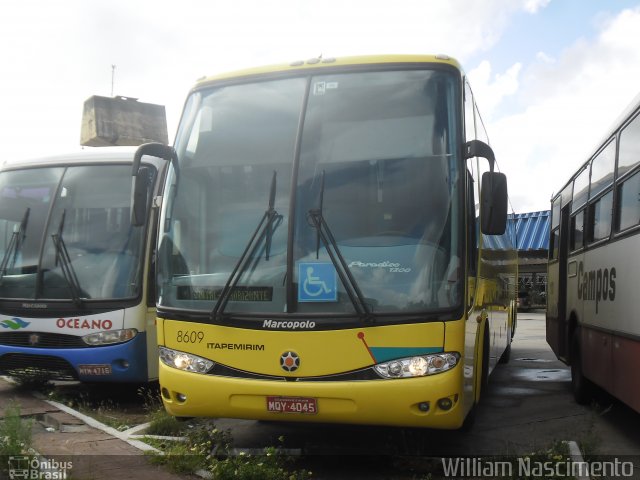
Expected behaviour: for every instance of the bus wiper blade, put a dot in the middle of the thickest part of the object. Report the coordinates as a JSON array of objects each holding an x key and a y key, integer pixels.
[
  {"x": 15, "y": 243},
  {"x": 265, "y": 228},
  {"x": 63, "y": 258},
  {"x": 346, "y": 277}
]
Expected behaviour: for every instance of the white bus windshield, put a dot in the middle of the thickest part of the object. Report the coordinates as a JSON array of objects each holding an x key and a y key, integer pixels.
[
  {"x": 81, "y": 211},
  {"x": 376, "y": 162}
]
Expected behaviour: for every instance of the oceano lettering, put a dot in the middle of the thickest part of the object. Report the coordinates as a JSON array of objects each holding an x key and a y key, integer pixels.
[
  {"x": 84, "y": 324},
  {"x": 291, "y": 325},
  {"x": 596, "y": 285}
]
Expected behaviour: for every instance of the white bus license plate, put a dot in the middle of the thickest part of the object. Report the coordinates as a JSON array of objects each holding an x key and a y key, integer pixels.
[{"x": 303, "y": 405}]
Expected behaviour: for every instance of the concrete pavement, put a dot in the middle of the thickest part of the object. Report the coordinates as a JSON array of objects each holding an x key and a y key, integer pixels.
[
  {"x": 528, "y": 407},
  {"x": 91, "y": 450}
]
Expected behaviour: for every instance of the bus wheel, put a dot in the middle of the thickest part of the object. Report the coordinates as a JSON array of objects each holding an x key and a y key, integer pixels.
[
  {"x": 482, "y": 384},
  {"x": 484, "y": 380},
  {"x": 581, "y": 387},
  {"x": 506, "y": 355}
]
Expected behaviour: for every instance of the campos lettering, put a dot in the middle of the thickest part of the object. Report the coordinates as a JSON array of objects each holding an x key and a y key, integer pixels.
[
  {"x": 84, "y": 324},
  {"x": 596, "y": 285}
]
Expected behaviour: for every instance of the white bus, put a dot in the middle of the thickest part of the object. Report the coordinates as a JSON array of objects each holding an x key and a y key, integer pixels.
[
  {"x": 594, "y": 263},
  {"x": 77, "y": 297}
]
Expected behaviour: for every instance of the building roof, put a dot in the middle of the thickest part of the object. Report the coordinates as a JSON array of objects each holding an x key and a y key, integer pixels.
[{"x": 532, "y": 230}]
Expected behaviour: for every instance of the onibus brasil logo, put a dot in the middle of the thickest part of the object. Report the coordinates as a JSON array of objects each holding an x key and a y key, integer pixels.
[
  {"x": 25, "y": 467},
  {"x": 14, "y": 324}
]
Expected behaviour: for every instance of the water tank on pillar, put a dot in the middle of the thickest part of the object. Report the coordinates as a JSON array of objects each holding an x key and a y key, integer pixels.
[{"x": 111, "y": 121}]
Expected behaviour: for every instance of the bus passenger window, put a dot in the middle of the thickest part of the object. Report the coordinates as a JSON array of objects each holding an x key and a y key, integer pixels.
[
  {"x": 628, "y": 208},
  {"x": 576, "y": 239},
  {"x": 554, "y": 243},
  {"x": 600, "y": 218}
]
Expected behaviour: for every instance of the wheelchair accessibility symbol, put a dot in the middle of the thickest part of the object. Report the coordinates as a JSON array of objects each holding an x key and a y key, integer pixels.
[{"x": 317, "y": 282}]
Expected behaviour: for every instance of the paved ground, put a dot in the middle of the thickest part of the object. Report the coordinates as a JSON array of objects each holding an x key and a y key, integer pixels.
[
  {"x": 94, "y": 453},
  {"x": 528, "y": 407}
]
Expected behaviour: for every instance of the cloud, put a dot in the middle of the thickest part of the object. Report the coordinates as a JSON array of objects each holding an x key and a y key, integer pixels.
[
  {"x": 569, "y": 104},
  {"x": 493, "y": 90},
  {"x": 61, "y": 53},
  {"x": 533, "y": 6}
]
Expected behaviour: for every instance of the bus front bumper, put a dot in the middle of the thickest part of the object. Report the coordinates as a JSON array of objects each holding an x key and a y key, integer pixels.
[{"x": 431, "y": 402}]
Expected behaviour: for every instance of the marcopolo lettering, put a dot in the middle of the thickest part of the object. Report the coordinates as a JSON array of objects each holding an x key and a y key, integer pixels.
[
  {"x": 596, "y": 285},
  {"x": 289, "y": 325},
  {"x": 84, "y": 324}
]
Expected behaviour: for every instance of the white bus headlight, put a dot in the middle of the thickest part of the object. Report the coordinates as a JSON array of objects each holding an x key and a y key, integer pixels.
[
  {"x": 109, "y": 337},
  {"x": 184, "y": 361},
  {"x": 418, "y": 366}
]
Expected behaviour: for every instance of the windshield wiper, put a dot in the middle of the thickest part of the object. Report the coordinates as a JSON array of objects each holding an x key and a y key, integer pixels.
[
  {"x": 346, "y": 277},
  {"x": 265, "y": 228},
  {"x": 63, "y": 258},
  {"x": 15, "y": 243}
]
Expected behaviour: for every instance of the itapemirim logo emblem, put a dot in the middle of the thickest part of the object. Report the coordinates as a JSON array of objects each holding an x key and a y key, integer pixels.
[{"x": 289, "y": 361}]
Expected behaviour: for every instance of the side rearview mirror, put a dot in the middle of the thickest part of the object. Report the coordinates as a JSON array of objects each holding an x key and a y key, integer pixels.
[
  {"x": 494, "y": 203},
  {"x": 139, "y": 197},
  {"x": 494, "y": 200},
  {"x": 140, "y": 183}
]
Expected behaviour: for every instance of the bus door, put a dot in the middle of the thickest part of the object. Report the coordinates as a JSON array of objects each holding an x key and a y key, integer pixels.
[{"x": 563, "y": 254}]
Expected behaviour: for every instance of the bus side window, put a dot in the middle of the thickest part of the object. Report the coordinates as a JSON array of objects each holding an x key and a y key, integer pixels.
[
  {"x": 554, "y": 243},
  {"x": 599, "y": 224},
  {"x": 472, "y": 238},
  {"x": 628, "y": 203},
  {"x": 576, "y": 238}
]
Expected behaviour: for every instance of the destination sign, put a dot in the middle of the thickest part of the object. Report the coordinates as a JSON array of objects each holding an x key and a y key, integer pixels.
[{"x": 237, "y": 294}]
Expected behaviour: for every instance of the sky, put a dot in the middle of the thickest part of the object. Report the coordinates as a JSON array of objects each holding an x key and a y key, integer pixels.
[{"x": 550, "y": 76}]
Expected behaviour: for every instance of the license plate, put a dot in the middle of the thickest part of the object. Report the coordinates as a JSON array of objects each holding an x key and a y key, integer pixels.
[
  {"x": 305, "y": 405},
  {"x": 94, "y": 369}
]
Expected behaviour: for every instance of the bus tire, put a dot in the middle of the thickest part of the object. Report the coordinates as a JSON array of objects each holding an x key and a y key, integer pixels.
[
  {"x": 506, "y": 355},
  {"x": 484, "y": 380},
  {"x": 483, "y": 384},
  {"x": 470, "y": 419},
  {"x": 581, "y": 387}
]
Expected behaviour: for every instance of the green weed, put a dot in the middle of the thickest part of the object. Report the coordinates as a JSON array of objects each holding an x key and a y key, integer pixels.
[{"x": 15, "y": 432}]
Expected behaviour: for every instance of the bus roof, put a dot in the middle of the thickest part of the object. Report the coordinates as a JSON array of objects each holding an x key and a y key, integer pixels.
[
  {"x": 620, "y": 120},
  {"x": 321, "y": 63},
  {"x": 84, "y": 156}
]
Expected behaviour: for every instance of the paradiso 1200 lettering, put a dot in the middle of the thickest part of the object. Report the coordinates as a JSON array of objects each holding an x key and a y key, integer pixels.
[{"x": 596, "y": 284}]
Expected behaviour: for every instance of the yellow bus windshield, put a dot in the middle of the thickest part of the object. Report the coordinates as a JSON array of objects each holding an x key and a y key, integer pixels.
[{"x": 335, "y": 193}]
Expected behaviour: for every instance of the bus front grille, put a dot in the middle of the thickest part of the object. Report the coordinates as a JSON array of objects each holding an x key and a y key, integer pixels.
[
  {"x": 23, "y": 365},
  {"x": 41, "y": 340}
]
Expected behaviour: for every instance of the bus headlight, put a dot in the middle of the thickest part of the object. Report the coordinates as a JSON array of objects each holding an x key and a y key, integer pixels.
[
  {"x": 184, "y": 361},
  {"x": 418, "y": 366},
  {"x": 109, "y": 337}
]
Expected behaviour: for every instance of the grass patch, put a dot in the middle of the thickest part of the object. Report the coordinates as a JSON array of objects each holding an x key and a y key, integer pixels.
[
  {"x": 161, "y": 423},
  {"x": 207, "y": 448},
  {"x": 15, "y": 432}
]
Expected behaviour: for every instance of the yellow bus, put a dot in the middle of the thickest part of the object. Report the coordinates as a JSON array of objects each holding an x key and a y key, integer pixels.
[{"x": 321, "y": 257}]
